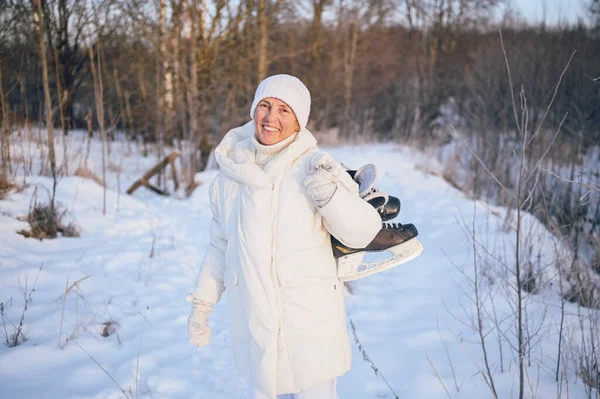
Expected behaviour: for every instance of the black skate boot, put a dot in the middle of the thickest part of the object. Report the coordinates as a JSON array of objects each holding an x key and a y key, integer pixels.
[
  {"x": 399, "y": 240},
  {"x": 389, "y": 209},
  {"x": 388, "y": 206},
  {"x": 390, "y": 235}
]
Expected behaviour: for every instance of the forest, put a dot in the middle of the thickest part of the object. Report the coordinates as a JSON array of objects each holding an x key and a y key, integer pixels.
[{"x": 419, "y": 72}]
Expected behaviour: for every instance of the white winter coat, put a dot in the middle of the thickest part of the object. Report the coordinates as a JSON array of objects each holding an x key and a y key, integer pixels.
[{"x": 270, "y": 247}]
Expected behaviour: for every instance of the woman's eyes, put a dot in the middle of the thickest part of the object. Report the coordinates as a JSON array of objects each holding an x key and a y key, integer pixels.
[{"x": 282, "y": 110}]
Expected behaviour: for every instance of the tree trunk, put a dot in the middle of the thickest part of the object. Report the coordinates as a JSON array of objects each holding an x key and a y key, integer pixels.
[
  {"x": 110, "y": 137},
  {"x": 178, "y": 114},
  {"x": 349, "y": 61},
  {"x": 61, "y": 94},
  {"x": 161, "y": 80},
  {"x": 40, "y": 27},
  {"x": 263, "y": 40},
  {"x": 314, "y": 53},
  {"x": 89, "y": 138},
  {"x": 248, "y": 46},
  {"x": 99, "y": 97},
  {"x": 4, "y": 136},
  {"x": 192, "y": 159},
  {"x": 167, "y": 71},
  {"x": 133, "y": 134},
  {"x": 121, "y": 100}
]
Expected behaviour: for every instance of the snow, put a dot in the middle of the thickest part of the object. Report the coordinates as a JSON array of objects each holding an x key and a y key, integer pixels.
[{"x": 135, "y": 265}]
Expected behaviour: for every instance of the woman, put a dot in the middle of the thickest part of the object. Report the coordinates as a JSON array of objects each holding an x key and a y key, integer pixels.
[{"x": 275, "y": 202}]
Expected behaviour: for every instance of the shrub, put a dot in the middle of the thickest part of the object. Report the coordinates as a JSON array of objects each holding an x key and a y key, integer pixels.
[
  {"x": 5, "y": 186},
  {"x": 46, "y": 222}
]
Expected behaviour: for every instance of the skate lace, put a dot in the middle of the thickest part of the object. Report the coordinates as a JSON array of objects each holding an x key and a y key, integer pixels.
[
  {"x": 391, "y": 226},
  {"x": 371, "y": 191},
  {"x": 374, "y": 190}
]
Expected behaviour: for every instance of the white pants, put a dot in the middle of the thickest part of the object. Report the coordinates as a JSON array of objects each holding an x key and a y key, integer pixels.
[{"x": 324, "y": 390}]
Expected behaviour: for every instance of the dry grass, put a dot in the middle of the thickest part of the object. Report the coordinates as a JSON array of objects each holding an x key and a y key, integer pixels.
[
  {"x": 113, "y": 167},
  {"x": 5, "y": 187},
  {"x": 46, "y": 222},
  {"x": 426, "y": 168},
  {"x": 88, "y": 174},
  {"x": 451, "y": 179},
  {"x": 584, "y": 293},
  {"x": 17, "y": 337},
  {"x": 451, "y": 173},
  {"x": 189, "y": 189}
]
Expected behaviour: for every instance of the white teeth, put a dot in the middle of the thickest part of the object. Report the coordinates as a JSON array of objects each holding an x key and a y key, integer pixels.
[{"x": 270, "y": 129}]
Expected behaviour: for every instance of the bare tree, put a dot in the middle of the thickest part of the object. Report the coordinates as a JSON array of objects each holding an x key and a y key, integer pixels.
[
  {"x": 5, "y": 168},
  {"x": 99, "y": 97},
  {"x": 41, "y": 29},
  {"x": 315, "y": 42},
  {"x": 196, "y": 18},
  {"x": 69, "y": 23},
  {"x": 178, "y": 124},
  {"x": 594, "y": 8},
  {"x": 263, "y": 40},
  {"x": 164, "y": 93},
  {"x": 350, "y": 44}
]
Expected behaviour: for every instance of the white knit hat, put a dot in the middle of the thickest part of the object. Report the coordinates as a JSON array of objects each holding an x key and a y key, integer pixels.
[{"x": 288, "y": 89}]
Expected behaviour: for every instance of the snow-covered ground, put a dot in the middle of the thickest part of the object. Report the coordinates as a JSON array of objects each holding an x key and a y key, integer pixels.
[{"x": 134, "y": 266}]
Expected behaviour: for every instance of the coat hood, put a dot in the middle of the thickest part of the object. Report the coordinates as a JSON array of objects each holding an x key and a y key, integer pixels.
[{"x": 236, "y": 156}]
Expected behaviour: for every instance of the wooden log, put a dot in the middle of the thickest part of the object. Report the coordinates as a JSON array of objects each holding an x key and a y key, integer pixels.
[
  {"x": 144, "y": 180},
  {"x": 150, "y": 187},
  {"x": 174, "y": 175}
]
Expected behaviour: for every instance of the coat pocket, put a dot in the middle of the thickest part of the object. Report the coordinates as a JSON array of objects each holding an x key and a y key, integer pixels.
[
  {"x": 313, "y": 310},
  {"x": 307, "y": 268}
]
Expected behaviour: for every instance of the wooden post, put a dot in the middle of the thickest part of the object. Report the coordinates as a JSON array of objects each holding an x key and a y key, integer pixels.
[{"x": 145, "y": 180}]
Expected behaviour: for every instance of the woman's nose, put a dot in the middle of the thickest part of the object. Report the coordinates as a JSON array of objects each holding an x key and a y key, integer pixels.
[{"x": 268, "y": 115}]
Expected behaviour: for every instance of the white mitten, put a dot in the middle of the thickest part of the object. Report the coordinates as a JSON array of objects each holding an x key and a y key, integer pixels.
[
  {"x": 198, "y": 328},
  {"x": 321, "y": 184}
]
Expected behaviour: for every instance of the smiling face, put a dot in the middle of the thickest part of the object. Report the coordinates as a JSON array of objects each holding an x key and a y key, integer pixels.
[{"x": 274, "y": 121}]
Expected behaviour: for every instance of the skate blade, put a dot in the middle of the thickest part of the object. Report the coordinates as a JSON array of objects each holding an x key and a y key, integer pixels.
[{"x": 353, "y": 267}]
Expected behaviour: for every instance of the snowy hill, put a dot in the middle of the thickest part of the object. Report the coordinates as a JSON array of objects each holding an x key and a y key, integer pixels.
[{"x": 134, "y": 266}]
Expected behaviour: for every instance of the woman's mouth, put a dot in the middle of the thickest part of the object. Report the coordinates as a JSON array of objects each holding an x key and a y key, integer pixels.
[{"x": 269, "y": 128}]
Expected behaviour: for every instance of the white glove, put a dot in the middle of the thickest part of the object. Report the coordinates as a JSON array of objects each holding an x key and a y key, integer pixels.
[
  {"x": 321, "y": 184},
  {"x": 198, "y": 328}
]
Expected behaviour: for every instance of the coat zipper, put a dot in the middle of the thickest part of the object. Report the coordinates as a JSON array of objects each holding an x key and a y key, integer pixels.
[{"x": 274, "y": 274}]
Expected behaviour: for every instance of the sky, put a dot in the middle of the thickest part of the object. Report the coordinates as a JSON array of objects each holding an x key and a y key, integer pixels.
[{"x": 550, "y": 11}]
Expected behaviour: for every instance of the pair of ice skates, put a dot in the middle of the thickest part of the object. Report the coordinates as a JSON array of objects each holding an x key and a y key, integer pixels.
[{"x": 399, "y": 240}]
